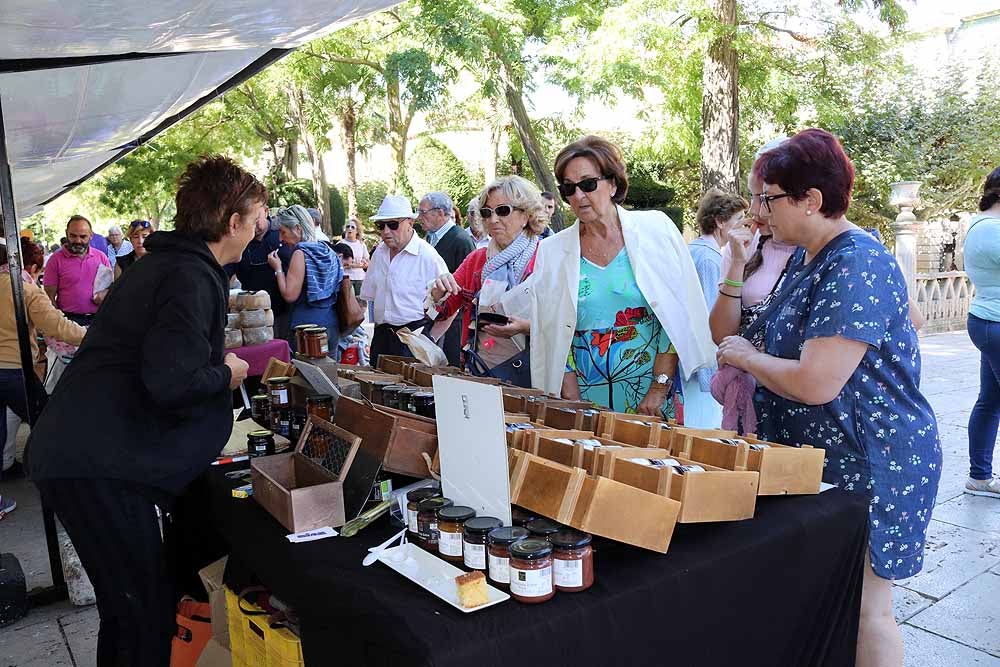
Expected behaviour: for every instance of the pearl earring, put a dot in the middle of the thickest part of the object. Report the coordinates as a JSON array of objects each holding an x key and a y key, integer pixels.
[{"x": 808, "y": 212}]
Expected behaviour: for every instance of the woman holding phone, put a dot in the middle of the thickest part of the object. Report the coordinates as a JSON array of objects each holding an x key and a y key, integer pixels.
[{"x": 512, "y": 211}]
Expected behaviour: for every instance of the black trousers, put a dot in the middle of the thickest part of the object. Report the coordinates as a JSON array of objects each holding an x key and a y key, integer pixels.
[
  {"x": 117, "y": 535},
  {"x": 385, "y": 340}
]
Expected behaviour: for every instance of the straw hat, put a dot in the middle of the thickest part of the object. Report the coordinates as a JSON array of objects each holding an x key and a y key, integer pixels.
[{"x": 394, "y": 207}]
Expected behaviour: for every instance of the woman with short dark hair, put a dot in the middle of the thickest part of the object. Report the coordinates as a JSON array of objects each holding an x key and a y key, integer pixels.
[
  {"x": 840, "y": 369},
  {"x": 982, "y": 262},
  {"x": 155, "y": 360}
]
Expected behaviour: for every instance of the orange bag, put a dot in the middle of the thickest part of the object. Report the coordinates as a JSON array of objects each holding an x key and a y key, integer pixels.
[{"x": 194, "y": 629}]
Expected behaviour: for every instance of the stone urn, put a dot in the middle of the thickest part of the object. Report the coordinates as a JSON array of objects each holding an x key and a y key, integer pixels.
[{"x": 906, "y": 195}]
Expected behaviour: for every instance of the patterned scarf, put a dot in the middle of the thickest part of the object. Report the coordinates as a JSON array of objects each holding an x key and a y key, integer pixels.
[
  {"x": 323, "y": 271},
  {"x": 512, "y": 260}
]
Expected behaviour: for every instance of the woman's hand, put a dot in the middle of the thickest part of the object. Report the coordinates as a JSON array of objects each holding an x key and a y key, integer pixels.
[
  {"x": 238, "y": 368},
  {"x": 740, "y": 238},
  {"x": 735, "y": 351},
  {"x": 443, "y": 285},
  {"x": 273, "y": 261},
  {"x": 652, "y": 402},
  {"x": 516, "y": 326}
]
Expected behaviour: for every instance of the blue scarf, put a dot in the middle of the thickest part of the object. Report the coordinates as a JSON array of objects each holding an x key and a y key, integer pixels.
[
  {"x": 323, "y": 271},
  {"x": 509, "y": 264}
]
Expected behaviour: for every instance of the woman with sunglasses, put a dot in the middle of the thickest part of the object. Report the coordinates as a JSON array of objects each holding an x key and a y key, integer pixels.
[
  {"x": 138, "y": 230},
  {"x": 155, "y": 359},
  {"x": 614, "y": 303},
  {"x": 511, "y": 208},
  {"x": 356, "y": 266},
  {"x": 311, "y": 284},
  {"x": 840, "y": 369}
]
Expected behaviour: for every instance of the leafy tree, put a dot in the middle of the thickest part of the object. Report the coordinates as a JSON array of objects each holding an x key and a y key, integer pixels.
[
  {"x": 338, "y": 215},
  {"x": 298, "y": 191},
  {"x": 370, "y": 195},
  {"x": 434, "y": 167}
]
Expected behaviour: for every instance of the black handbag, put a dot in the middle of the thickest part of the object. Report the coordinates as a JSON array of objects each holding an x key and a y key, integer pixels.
[{"x": 516, "y": 370}]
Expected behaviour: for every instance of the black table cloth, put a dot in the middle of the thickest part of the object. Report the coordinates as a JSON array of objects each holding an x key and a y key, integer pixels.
[{"x": 782, "y": 589}]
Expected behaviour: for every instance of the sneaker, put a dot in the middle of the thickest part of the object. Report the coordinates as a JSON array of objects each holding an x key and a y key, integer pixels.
[
  {"x": 983, "y": 487},
  {"x": 7, "y": 505}
]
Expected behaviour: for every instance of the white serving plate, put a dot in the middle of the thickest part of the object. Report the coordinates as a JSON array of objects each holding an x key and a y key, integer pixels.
[{"x": 434, "y": 575}]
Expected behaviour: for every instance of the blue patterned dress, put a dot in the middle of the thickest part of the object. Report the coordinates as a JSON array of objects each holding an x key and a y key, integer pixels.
[{"x": 880, "y": 434}]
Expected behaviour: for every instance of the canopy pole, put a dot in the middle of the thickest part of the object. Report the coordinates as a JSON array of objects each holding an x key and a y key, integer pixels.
[{"x": 12, "y": 233}]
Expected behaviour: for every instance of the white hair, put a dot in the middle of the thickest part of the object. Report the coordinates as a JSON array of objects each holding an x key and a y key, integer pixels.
[
  {"x": 294, "y": 216},
  {"x": 769, "y": 146}
]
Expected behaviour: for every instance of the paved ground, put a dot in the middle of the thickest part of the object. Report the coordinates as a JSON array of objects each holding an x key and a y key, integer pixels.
[{"x": 950, "y": 612}]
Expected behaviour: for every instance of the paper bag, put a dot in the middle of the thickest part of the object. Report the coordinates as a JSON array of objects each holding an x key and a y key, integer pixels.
[{"x": 422, "y": 348}]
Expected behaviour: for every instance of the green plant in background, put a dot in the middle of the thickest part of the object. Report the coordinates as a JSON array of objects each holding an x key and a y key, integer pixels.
[
  {"x": 434, "y": 167},
  {"x": 338, "y": 212},
  {"x": 370, "y": 195},
  {"x": 296, "y": 191}
]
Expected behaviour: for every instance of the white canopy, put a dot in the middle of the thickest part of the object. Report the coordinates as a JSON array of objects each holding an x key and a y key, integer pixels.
[{"x": 84, "y": 82}]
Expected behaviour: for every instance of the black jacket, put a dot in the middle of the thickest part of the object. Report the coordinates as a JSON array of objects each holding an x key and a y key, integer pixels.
[
  {"x": 455, "y": 246},
  {"x": 146, "y": 400}
]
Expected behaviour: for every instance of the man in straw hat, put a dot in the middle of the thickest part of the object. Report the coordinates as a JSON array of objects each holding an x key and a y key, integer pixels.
[{"x": 397, "y": 278}]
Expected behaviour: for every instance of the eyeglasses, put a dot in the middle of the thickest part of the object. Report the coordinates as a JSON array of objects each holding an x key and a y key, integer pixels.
[
  {"x": 502, "y": 211},
  {"x": 567, "y": 188},
  {"x": 244, "y": 192},
  {"x": 424, "y": 211},
  {"x": 350, "y": 227},
  {"x": 391, "y": 224},
  {"x": 140, "y": 224},
  {"x": 766, "y": 200}
]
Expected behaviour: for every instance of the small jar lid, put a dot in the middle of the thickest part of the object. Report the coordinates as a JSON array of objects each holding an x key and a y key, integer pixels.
[
  {"x": 316, "y": 330},
  {"x": 424, "y": 395},
  {"x": 530, "y": 549},
  {"x": 507, "y": 534},
  {"x": 319, "y": 398},
  {"x": 259, "y": 397},
  {"x": 416, "y": 495},
  {"x": 263, "y": 433},
  {"x": 279, "y": 380},
  {"x": 383, "y": 383},
  {"x": 543, "y": 527},
  {"x": 520, "y": 517},
  {"x": 457, "y": 513},
  {"x": 393, "y": 387},
  {"x": 433, "y": 504},
  {"x": 481, "y": 525},
  {"x": 406, "y": 389},
  {"x": 310, "y": 325},
  {"x": 570, "y": 539}
]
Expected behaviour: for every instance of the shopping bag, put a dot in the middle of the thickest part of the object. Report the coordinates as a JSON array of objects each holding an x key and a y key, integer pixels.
[{"x": 194, "y": 629}]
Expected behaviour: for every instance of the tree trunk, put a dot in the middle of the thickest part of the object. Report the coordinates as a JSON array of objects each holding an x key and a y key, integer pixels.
[
  {"x": 526, "y": 133},
  {"x": 349, "y": 126},
  {"x": 490, "y": 170},
  {"x": 398, "y": 127},
  {"x": 720, "y": 105},
  {"x": 296, "y": 97}
]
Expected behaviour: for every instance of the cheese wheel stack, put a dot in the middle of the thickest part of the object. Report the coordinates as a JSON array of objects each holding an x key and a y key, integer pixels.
[{"x": 250, "y": 320}]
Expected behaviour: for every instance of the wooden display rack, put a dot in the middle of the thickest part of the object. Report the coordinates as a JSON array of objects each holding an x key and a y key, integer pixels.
[
  {"x": 635, "y": 430},
  {"x": 594, "y": 461},
  {"x": 407, "y": 436},
  {"x": 597, "y": 505},
  {"x": 324, "y": 482},
  {"x": 783, "y": 470},
  {"x": 716, "y": 494}
]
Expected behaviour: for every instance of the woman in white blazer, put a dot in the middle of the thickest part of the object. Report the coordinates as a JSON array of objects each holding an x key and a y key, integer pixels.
[{"x": 614, "y": 302}]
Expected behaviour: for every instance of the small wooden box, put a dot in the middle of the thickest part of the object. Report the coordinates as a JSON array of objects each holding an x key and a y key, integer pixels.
[
  {"x": 783, "y": 470},
  {"x": 515, "y": 398},
  {"x": 593, "y": 460},
  {"x": 681, "y": 438},
  {"x": 368, "y": 380},
  {"x": 531, "y": 438},
  {"x": 393, "y": 364},
  {"x": 535, "y": 407},
  {"x": 634, "y": 430},
  {"x": 407, "y": 437},
  {"x": 597, "y": 505},
  {"x": 716, "y": 494},
  {"x": 304, "y": 495},
  {"x": 569, "y": 418},
  {"x": 607, "y": 416}
]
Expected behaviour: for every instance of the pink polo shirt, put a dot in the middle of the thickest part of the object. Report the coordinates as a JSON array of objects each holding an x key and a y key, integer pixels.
[{"x": 73, "y": 277}]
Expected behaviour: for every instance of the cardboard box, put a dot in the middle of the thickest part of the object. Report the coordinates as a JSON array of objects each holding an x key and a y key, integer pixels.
[
  {"x": 597, "y": 505},
  {"x": 713, "y": 495},
  {"x": 302, "y": 494},
  {"x": 215, "y": 654},
  {"x": 211, "y": 579}
]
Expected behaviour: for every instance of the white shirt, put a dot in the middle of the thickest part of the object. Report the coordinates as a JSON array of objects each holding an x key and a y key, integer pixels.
[
  {"x": 435, "y": 236},
  {"x": 483, "y": 242},
  {"x": 398, "y": 287}
]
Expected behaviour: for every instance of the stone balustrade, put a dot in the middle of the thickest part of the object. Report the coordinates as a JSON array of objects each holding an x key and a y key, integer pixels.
[{"x": 944, "y": 298}]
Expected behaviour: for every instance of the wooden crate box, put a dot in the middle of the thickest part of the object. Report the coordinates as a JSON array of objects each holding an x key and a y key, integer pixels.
[
  {"x": 681, "y": 438},
  {"x": 783, "y": 470},
  {"x": 536, "y": 406},
  {"x": 408, "y": 437},
  {"x": 606, "y": 416},
  {"x": 514, "y": 398},
  {"x": 391, "y": 363},
  {"x": 716, "y": 494},
  {"x": 531, "y": 438},
  {"x": 638, "y": 432},
  {"x": 569, "y": 418},
  {"x": 597, "y": 505}
]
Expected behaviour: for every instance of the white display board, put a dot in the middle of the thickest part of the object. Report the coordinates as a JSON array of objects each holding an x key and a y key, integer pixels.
[{"x": 472, "y": 445}]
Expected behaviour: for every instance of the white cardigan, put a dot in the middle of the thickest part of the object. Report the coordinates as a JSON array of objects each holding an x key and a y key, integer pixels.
[{"x": 663, "y": 271}]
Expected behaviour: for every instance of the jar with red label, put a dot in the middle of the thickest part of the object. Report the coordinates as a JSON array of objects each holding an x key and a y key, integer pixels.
[
  {"x": 531, "y": 571},
  {"x": 498, "y": 553},
  {"x": 450, "y": 523},
  {"x": 572, "y": 560}
]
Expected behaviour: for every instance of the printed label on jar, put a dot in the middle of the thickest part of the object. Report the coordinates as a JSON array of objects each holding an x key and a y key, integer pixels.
[
  {"x": 280, "y": 396},
  {"x": 531, "y": 583},
  {"x": 411, "y": 516},
  {"x": 500, "y": 569},
  {"x": 567, "y": 573},
  {"x": 450, "y": 544},
  {"x": 323, "y": 348},
  {"x": 475, "y": 556}
]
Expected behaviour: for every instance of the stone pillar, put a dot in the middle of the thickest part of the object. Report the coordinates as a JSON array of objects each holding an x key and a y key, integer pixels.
[{"x": 904, "y": 195}]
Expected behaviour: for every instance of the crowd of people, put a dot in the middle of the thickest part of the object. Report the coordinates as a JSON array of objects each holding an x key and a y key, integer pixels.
[{"x": 781, "y": 318}]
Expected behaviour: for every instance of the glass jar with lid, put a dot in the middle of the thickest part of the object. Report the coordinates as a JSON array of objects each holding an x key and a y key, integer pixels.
[
  {"x": 320, "y": 405},
  {"x": 498, "y": 553},
  {"x": 521, "y": 517},
  {"x": 474, "y": 547},
  {"x": 572, "y": 560},
  {"x": 377, "y": 387},
  {"x": 423, "y": 402},
  {"x": 531, "y": 571},
  {"x": 405, "y": 398},
  {"x": 427, "y": 526},
  {"x": 390, "y": 395},
  {"x": 413, "y": 498},
  {"x": 279, "y": 389},
  {"x": 450, "y": 526},
  {"x": 260, "y": 443},
  {"x": 541, "y": 528}
]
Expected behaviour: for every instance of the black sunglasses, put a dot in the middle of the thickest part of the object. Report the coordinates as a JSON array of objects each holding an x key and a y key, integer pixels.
[
  {"x": 567, "y": 188},
  {"x": 391, "y": 224},
  {"x": 139, "y": 224},
  {"x": 502, "y": 211}
]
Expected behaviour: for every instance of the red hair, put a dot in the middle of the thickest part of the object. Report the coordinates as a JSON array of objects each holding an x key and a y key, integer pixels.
[{"x": 812, "y": 158}]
